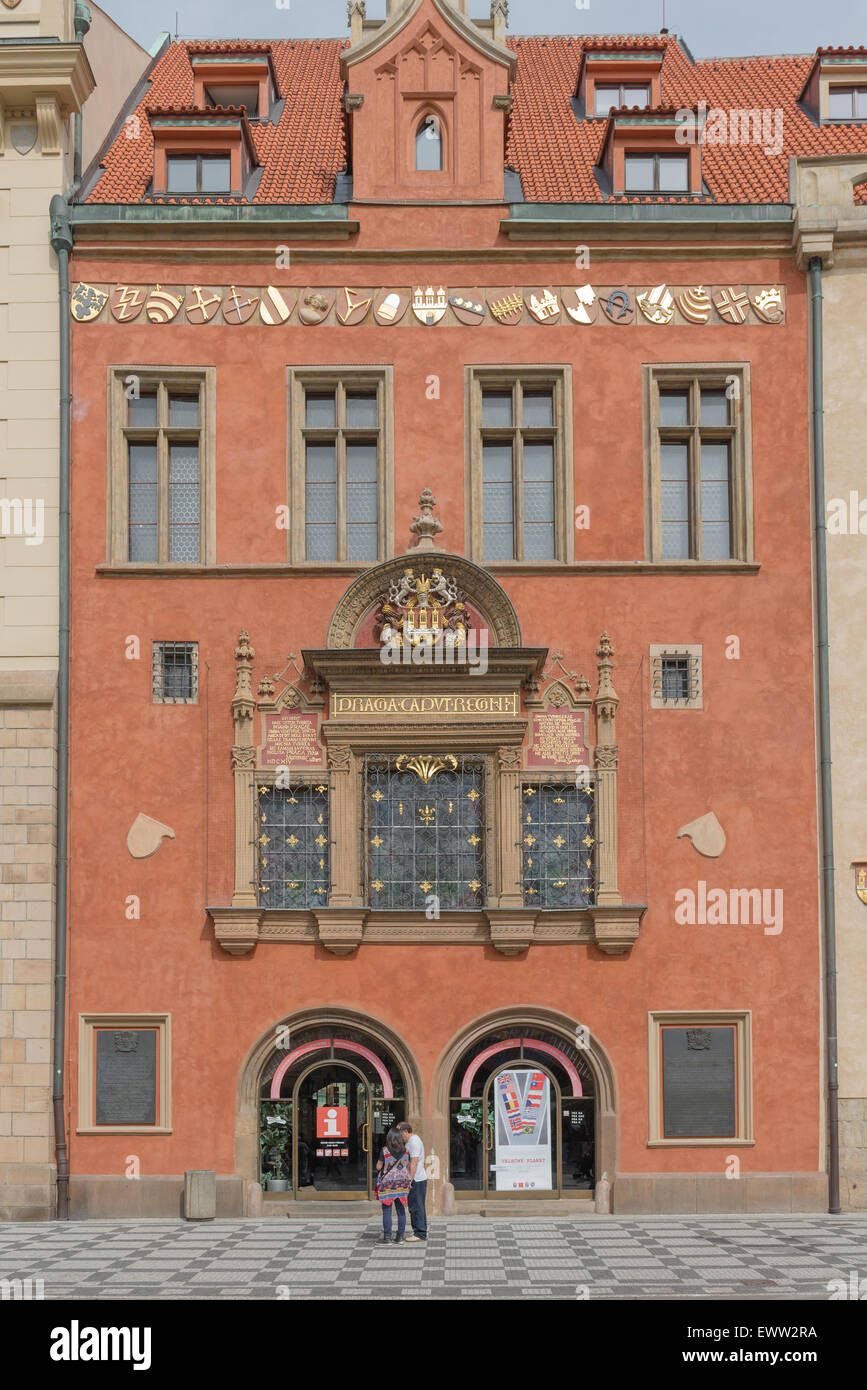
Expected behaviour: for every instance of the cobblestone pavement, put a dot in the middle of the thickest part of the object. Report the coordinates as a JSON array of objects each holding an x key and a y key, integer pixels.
[{"x": 768, "y": 1257}]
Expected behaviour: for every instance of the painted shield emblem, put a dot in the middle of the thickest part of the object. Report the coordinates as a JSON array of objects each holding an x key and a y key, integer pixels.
[
  {"x": 657, "y": 305},
  {"x": 506, "y": 306},
  {"x": 276, "y": 305},
  {"x": 164, "y": 302},
  {"x": 389, "y": 306},
  {"x": 861, "y": 880},
  {"x": 86, "y": 302},
  {"x": 580, "y": 304},
  {"x": 617, "y": 304},
  {"x": 768, "y": 304},
  {"x": 352, "y": 305},
  {"x": 467, "y": 306},
  {"x": 694, "y": 304},
  {"x": 239, "y": 305},
  {"x": 126, "y": 302},
  {"x": 731, "y": 304},
  {"x": 315, "y": 305},
  {"x": 544, "y": 305},
  {"x": 428, "y": 304},
  {"x": 202, "y": 304}
]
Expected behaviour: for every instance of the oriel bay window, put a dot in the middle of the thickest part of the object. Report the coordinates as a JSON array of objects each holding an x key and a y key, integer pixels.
[
  {"x": 161, "y": 466},
  {"x": 700, "y": 486},
  {"x": 341, "y": 465},
  {"x": 425, "y": 829},
  {"x": 520, "y": 465}
]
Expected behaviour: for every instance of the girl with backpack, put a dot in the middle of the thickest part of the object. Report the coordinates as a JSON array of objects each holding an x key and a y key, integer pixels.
[{"x": 392, "y": 1185}]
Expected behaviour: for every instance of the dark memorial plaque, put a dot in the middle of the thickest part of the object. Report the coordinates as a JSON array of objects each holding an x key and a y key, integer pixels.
[
  {"x": 698, "y": 1083},
  {"x": 126, "y": 1076}
]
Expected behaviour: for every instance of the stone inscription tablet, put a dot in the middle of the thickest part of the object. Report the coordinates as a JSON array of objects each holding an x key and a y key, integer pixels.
[
  {"x": 490, "y": 706},
  {"x": 698, "y": 1083},
  {"x": 558, "y": 739},
  {"x": 126, "y": 1076},
  {"x": 292, "y": 740}
]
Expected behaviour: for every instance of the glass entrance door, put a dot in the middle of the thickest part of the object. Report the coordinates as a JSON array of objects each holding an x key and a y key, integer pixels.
[
  {"x": 331, "y": 1134},
  {"x": 522, "y": 1132}
]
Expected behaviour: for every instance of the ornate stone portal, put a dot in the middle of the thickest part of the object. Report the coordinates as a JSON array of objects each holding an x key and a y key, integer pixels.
[{"x": 398, "y": 693}]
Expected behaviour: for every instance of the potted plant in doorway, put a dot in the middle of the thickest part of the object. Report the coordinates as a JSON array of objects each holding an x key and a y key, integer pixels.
[{"x": 275, "y": 1138}]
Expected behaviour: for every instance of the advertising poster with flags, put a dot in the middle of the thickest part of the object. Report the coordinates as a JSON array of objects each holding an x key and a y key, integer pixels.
[{"x": 522, "y": 1131}]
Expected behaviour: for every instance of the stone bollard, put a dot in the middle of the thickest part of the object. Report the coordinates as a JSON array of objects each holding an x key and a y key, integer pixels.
[
  {"x": 253, "y": 1199},
  {"x": 200, "y": 1194},
  {"x": 602, "y": 1200},
  {"x": 447, "y": 1207}
]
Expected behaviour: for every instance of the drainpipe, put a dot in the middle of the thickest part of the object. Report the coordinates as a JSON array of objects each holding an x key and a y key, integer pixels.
[
  {"x": 61, "y": 242},
  {"x": 82, "y": 19},
  {"x": 818, "y": 432}
]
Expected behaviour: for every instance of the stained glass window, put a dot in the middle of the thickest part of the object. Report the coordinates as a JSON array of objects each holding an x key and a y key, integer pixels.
[
  {"x": 425, "y": 831},
  {"x": 293, "y": 845},
  {"x": 558, "y": 839}
]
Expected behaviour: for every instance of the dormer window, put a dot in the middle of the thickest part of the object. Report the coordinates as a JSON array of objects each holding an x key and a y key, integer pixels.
[
  {"x": 847, "y": 103},
  {"x": 198, "y": 173},
  {"x": 224, "y": 94},
  {"x": 609, "y": 96},
  {"x": 244, "y": 77},
  {"x": 205, "y": 154},
  {"x": 429, "y": 145},
  {"x": 656, "y": 173}
]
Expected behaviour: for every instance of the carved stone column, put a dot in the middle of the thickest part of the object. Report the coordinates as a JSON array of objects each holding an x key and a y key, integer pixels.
[
  {"x": 243, "y": 766},
  {"x": 606, "y": 703},
  {"x": 500, "y": 19},
  {"x": 512, "y": 925},
  {"x": 356, "y": 11},
  {"x": 340, "y": 925}
]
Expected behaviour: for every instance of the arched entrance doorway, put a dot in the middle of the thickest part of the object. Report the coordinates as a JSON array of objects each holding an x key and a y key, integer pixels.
[
  {"x": 326, "y": 1099},
  {"x": 529, "y": 1100}
]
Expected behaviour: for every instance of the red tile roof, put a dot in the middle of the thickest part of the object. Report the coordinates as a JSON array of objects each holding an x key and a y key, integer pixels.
[{"x": 552, "y": 150}]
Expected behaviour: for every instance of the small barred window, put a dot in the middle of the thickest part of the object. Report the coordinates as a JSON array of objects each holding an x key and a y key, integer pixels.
[
  {"x": 176, "y": 673},
  {"x": 675, "y": 677}
]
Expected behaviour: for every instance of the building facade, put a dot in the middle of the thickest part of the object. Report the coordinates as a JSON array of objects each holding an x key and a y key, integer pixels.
[
  {"x": 442, "y": 549},
  {"x": 831, "y": 227},
  {"x": 46, "y": 77}
]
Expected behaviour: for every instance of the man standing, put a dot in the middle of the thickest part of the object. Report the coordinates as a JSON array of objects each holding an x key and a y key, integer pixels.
[{"x": 418, "y": 1191}]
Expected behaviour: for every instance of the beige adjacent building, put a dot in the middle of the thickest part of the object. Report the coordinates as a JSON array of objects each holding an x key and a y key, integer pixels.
[
  {"x": 832, "y": 225},
  {"x": 46, "y": 77}
]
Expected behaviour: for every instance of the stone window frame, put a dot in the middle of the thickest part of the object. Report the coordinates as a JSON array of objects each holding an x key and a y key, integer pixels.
[
  {"x": 693, "y": 653},
  {"x": 741, "y": 1020},
  {"x": 87, "y": 1028},
  {"x": 164, "y": 378},
  {"x": 327, "y": 378},
  {"x": 479, "y": 377},
  {"x": 692, "y": 376}
]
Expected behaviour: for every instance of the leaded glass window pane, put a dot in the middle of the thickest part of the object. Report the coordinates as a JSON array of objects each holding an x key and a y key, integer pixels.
[
  {"x": 293, "y": 845},
  {"x": 558, "y": 824},
  {"x": 425, "y": 831}
]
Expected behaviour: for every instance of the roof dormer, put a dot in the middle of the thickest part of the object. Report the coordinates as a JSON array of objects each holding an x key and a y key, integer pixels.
[
  {"x": 427, "y": 99},
  {"x": 835, "y": 92},
  {"x": 243, "y": 77},
  {"x": 613, "y": 75},
  {"x": 202, "y": 154},
  {"x": 645, "y": 155}
]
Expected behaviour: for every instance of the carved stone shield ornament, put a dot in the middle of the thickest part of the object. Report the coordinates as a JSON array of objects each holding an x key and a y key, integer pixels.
[
  {"x": 11, "y": 4},
  {"x": 23, "y": 133}
]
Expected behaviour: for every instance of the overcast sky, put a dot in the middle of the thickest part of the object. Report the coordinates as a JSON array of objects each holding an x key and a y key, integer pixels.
[{"x": 711, "y": 28}]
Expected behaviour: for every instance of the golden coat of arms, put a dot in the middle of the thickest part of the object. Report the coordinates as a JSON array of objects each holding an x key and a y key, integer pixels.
[
  {"x": 423, "y": 609},
  {"x": 860, "y": 868}
]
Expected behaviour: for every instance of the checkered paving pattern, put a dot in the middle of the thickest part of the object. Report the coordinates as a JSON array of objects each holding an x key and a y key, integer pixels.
[{"x": 464, "y": 1257}]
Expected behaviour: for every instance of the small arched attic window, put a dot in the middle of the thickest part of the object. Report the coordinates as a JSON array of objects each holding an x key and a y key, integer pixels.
[{"x": 429, "y": 144}]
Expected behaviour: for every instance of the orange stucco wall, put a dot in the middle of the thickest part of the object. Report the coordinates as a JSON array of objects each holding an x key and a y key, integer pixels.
[{"x": 748, "y": 755}]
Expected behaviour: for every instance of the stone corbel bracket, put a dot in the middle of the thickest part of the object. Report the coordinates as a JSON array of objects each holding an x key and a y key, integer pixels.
[{"x": 511, "y": 931}]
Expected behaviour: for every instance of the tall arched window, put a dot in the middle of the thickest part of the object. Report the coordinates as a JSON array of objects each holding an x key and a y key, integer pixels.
[{"x": 429, "y": 145}]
